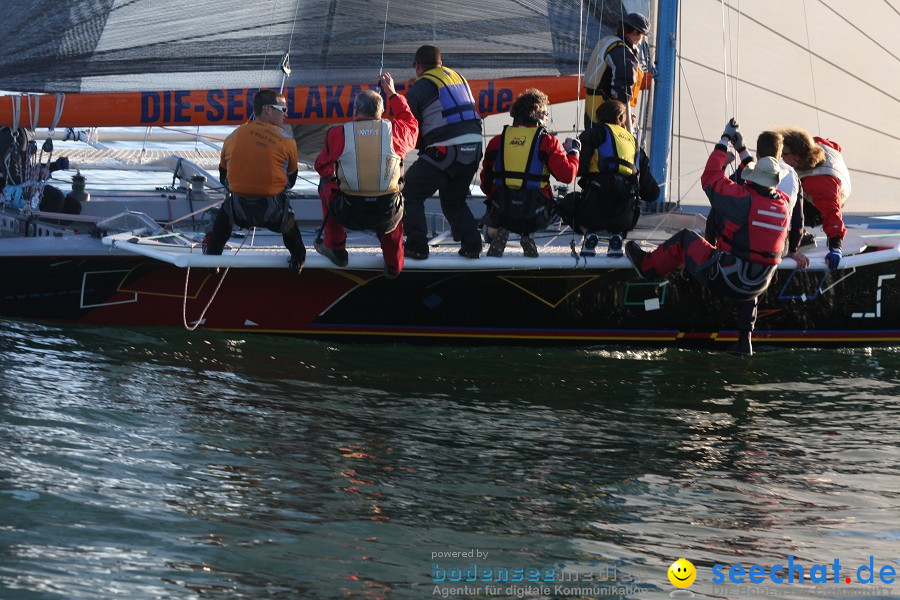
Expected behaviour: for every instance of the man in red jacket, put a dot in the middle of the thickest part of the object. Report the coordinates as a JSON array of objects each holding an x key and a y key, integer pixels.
[
  {"x": 825, "y": 182},
  {"x": 361, "y": 167},
  {"x": 754, "y": 218}
]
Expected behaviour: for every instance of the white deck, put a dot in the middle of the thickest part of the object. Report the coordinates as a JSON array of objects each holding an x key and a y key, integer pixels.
[{"x": 555, "y": 254}]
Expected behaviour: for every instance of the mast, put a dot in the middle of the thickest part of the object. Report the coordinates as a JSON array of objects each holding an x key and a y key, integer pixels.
[{"x": 664, "y": 94}]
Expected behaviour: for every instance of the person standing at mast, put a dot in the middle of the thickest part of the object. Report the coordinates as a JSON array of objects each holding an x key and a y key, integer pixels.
[{"x": 613, "y": 71}]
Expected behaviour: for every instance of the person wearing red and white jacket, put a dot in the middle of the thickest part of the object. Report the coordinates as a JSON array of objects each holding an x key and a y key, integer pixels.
[
  {"x": 825, "y": 181},
  {"x": 754, "y": 219},
  {"x": 361, "y": 166}
]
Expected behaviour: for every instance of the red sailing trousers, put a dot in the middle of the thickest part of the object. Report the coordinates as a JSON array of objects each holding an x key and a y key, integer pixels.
[{"x": 336, "y": 237}]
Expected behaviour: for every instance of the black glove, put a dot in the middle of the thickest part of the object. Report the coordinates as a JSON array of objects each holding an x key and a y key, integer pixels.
[
  {"x": 737, "y": 140},
  {"x": 572, "y": 145},
  {"x": 730, "y": 130},
  {"x": 60, "y": 164}
]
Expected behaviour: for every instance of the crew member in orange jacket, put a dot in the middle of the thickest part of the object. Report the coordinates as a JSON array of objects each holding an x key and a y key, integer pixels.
[
  {"x": 361, "y": 166},
  {"x": 258, "y": 166}
]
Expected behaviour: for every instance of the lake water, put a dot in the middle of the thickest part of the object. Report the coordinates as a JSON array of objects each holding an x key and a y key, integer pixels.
[{"x": 167, "y": 464}]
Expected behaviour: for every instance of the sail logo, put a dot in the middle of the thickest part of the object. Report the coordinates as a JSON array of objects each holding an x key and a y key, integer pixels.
[
  {"x": 311, "y": 104},
  {"x": 517, "y": 141}
]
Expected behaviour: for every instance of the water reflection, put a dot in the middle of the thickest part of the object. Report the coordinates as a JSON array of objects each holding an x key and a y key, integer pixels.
[{"x": 268, "y": 466}]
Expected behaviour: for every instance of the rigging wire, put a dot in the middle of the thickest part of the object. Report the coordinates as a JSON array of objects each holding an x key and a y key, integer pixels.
[
  {"x": 387, "y": 6},
  {"x": 812, "y": 73},
  {"x": 681, "y": 73},
  {"x": 725, "y": 57},
  {"x": 706, "y": 150},
  {"x": 286, "y": 61},
  {"x": 268, "y": 44},
  {"x": 596, "y": 45},
  {"x": 579, "y": 79},
  {"x": 736, "y": 60}
]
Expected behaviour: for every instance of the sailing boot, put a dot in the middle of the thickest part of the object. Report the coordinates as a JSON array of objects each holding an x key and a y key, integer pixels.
[
  {"x": 498, "y": 243},
  {"x": 615, "y": 246},
  {"x": 390, "y": 272},
  {"x": 807, "y": 239},
  {"x": 415, "y": 252},
  {"x": 589, "y": 246},
  {"x": 528, "y": 245},
  {"x": 338, "y": 257},
  {"x": 743, "y": 346},
  {"x": 638, "y": 258},
  {"x": 470, "y": 250}
]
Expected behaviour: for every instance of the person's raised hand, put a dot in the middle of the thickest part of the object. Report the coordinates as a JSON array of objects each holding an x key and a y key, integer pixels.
[
  {"x": 730, "y": 131},
  {"x": 387, "y": 84}
]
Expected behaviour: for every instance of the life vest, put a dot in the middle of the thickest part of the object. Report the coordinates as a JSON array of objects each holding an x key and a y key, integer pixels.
[
  {"x": 834, "y": 166},
  {"x": 766, "y": 230},
  {"x": 454, "y": 103},
  {"x": 518, "y": 163},
  {"x": 617, "y": 153},
  {"x": 520, "y": 177},
  {"x": 596, "y": 77},
  {"x": 368, "y": 166}
]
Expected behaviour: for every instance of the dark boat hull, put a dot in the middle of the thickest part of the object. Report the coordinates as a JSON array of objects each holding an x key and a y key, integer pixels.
[{"x": 568, "y": 306}]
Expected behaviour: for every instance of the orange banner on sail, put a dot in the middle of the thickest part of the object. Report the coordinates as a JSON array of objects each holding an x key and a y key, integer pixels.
[{"x": 306, "y": 104}]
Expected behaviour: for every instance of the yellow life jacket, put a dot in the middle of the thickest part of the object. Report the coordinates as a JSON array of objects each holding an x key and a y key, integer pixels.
[
  {"x": 518, "y": 164},
  {"x": 368, "y": 166},
  {"x": 617, "y": 153}
]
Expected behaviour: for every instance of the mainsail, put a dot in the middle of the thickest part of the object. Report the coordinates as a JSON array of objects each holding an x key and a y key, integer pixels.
[
  {"x": 200, "y": 63},
  {"x": 137, "y": 45},
  {"x": 826, "y": 66}
]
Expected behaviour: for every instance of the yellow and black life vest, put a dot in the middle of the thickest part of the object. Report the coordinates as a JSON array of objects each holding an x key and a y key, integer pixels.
[
  {"x": 617, "y": 153},
  {"x": 518, "y": 164}
]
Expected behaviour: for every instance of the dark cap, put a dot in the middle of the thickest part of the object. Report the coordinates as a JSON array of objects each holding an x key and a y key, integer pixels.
[{"x": 638, "y": 22}]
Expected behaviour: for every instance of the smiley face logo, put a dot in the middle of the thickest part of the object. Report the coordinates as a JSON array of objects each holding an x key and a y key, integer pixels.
[{"x": 682, "y": 573}]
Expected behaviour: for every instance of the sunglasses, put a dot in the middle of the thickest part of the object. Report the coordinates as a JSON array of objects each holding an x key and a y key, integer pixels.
[{"x": 280, "y": 107}]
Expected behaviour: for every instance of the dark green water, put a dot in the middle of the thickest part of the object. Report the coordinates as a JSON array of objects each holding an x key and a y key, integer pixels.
[{"x": 167, "y": 464}]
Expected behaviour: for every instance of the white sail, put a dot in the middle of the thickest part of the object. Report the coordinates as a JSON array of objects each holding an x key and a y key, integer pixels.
[{"x": 829, "y": 67}]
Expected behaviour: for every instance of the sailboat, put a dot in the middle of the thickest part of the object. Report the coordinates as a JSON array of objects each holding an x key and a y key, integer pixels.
[{"x": 145, "y": 275}]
